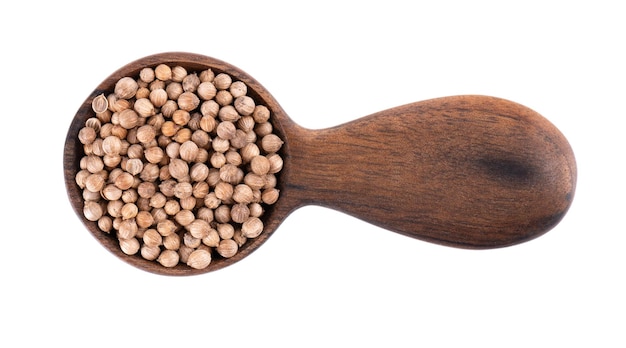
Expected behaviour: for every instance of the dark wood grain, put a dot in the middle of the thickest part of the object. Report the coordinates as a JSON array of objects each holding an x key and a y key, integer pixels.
[
  {"x": 462, "y": 171},
  {"x": 465, "y": 171}
]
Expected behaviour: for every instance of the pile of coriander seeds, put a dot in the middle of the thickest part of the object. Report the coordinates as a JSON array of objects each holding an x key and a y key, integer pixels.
[{"x": 179, "y": 165}]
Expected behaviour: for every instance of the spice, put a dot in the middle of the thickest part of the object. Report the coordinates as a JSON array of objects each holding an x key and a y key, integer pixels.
[
  {"x": 179, "y": 165},
  {"x": 100, "y": 104}
]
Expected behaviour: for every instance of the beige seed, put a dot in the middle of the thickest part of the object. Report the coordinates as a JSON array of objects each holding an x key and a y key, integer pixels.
[
  {"x": 178, "y": 73},
  {"x": 168, "y": 258},
  {"x": 199, "y": 172},
  {"x": 223, "y": 191},
  {"x": 222, "y": 81},
  {"x": 166, "y": 227},
  {"x": 261, "y": 114},
  {"x": 238, "y": 89},
  {"x": 112, "y": 145},
  {"x": 254, "y": 181},
  {"x": 242, "y": 193},
  {"x": 211, "y": 201},
  {"x": 270, "y": 196},
  {"x": 179, "y": 168},
  {"x": 105, "y": 223},
  {"x": 163, "y": 72},
  {"x": 188, "y": 203},
  {"x": 144, "y": 107},
  {"x": 158, "y": 200},
  {"x": 212, "y": 238},
  {"x": 252, "y": 227},
  {"x": 260, "y": 165},
  {"x": 205, "y": 214},
  {"x": 225, "y": 230},
  {"x": 239, "y": 238},
  {"x": 199, "y": 228},
  {"x": 94, "y": 122},
  {"x": 191, "y": 241},
  {"x": 159, "y": 215},
  {"x": 149, "y": 252},
  {"x": 220, "y": 144},
  {"x": 94, "y": 182},
  {"x": 174, "y": 90},
  {"x": 226, "y": 130},
  {"x": 183, "y": 190},
  {"x": 129, "y": 211},
  {"x": 142, "y": 92},
  {"x": 199, "y": 259},
  {"x": 172, "y": 242},
  {"x": 249, "y": 151},
  {"x": 227, "y": 248},
  {"x": 210, "y": 108},
  {"x": 276, "y": 163},
  {"x": 146, "y": 189},
  {"x": 263, "y": 129},
  {"x": 172, "y": 207},
  {"x": 217, "y": 160},
  {"x": 158, "y": 97},
  {"x": 256, "y": 209},
  {"x": 233, "y": 157},
  {"x": 128, "y": 118},
  {"x": 114, "y": 208},
  {"x": 153, "y": 154},
  {"x": 168, "y": 108},
  {"x": 111, "y": 192},
  {"x": 99, "y": 104},
  {"x": 206, "y": 75},
  {"x": 271, "y": 143},
  {"x": 200, "y": 190},
  {"x": 231, "y": 174},
  {"x": 146, "y": 75},
  {"x": 188, "y": 151},
  {"x": 152, "y": 237},
  {"x": 191, "y": 82},
  {"x": 91, "y": 196},
  {"x": 181, "y": 117},
  {"x": 144, "y": 219},
  {"x": 184, "y": 217},
  {"x": 239, "y": 212},
  {"x": 134, "y": 166},
  {"x": 129, "y": 246},
  {"x": 182, "y": 135},
  {"x": 228, "y": 113},
  {"x": 146, "y": 134},
  {"x": 92, "y": 211},
  {"x": 222, "y": 214},
  {"x": 188, "y": 101},
  {"x": 125, "y": 88},
  {"x": 93, "y": 163},
  {"x": 127, "y": 229},
  {"x": 244, "y": 105},
  {"x": 87, "y": 135}
]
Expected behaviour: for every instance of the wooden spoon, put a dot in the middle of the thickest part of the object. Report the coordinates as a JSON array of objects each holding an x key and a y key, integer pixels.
[{"x": 464, "y": 171}]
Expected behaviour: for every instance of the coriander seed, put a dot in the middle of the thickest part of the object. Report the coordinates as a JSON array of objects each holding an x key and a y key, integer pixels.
[
  {"x": 179, "y": 165},
  {"x": 126, "y": 88},
  {"x": 199, "y": 259},
  {"x": 100, "y": 104},
  {"x": 227, "y": 248},
  {"x": 168, "y": 258}
]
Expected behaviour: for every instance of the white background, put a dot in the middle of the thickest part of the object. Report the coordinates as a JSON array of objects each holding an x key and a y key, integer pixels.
[{"x": 324, "y": 278}]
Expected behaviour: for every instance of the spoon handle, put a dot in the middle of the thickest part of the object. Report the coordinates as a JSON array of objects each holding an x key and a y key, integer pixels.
[{"x": 463, "y": 171}]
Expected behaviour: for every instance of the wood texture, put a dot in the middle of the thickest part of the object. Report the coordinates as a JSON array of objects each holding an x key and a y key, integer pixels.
[
  {"x": 463, "y": 171},
  {"x": 466, "y": 171}
]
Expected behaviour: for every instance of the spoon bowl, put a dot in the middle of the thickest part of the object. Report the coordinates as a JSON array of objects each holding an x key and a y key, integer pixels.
[{"x": 469, "y": 171}]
